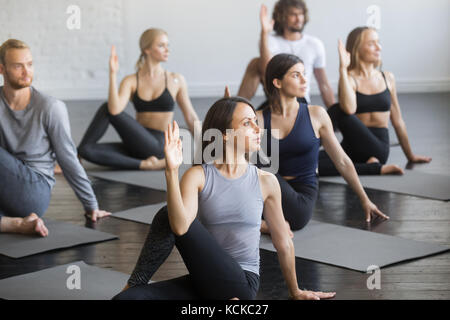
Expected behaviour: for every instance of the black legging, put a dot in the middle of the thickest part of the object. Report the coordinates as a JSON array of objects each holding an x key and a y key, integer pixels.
[
  {"x": 213, "y": 273},
  {"x": 138, "y": 142},
  {"x": 298, "y": 202},
  {"x": 360, "y": 143}
]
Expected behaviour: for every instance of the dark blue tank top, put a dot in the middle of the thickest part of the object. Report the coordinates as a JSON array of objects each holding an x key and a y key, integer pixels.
[
  {"x": 379, "y": 102},
  {"x": 299, "y": 150},
  {"x": 164, "y": 103}
]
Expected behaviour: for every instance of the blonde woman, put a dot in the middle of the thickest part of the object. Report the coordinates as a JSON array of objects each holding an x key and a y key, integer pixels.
[
  {"x": 367, "y": 100},
  {"x": 153, "y": 92}
]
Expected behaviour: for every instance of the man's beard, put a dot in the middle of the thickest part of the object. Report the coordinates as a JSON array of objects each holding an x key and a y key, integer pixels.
[
  {"x": 293, "y": 29},
  {"x": 16, "y": 85}
]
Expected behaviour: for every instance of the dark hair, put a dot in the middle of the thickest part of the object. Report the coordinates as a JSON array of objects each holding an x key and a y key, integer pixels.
[
  {"x": 220, "y": 116},
  {"x": 281, "y": 10},
  {"x": 276, "y": 69}
]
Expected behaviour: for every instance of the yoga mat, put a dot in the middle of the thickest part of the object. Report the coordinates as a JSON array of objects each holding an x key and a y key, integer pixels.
[
  {"x": 61, "y": 235},
  {"x": 353, "y": 248},
  {"x": 413, "y": 183},
  {"x": 149, "y": 179},
  {"x": 142, "y": 214},
  {"x": 54, "y": 283}
]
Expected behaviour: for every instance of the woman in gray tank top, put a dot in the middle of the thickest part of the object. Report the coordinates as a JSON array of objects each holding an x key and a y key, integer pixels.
[{"x": 220, "y": 248}]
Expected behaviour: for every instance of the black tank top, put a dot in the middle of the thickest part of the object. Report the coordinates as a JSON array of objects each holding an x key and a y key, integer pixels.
[
  {"x": 164, "y": 103},
  {"x": 379, "y": 102}
]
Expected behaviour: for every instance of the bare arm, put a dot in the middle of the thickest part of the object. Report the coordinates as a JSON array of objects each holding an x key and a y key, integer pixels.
[
  {"x": 324, "y": 86},
  {"x": 342, "y": 162},
  {"x": 400, "y": 126},
  {"x": 273, "y": 214},
  {"x": 182, "y": 201},
  {"x": 266, "y": 27},
  {"x": 347, "y": 87},
  {"x": 117, "y": 101},
  {"x": 186, "y": 107}
]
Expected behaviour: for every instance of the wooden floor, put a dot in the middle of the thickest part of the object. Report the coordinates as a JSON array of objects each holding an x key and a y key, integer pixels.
[{"x": 411, "y": 218}]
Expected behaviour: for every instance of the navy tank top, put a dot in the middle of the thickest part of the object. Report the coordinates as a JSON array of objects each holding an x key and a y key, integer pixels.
[
  {"x": 379, "y": 102},
  {"x": 299, "y": 150},
  {"x": 164, "y": 103},
  {"x": 231, "y": 210}
]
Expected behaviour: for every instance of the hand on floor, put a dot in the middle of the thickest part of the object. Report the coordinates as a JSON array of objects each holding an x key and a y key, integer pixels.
[{"x": 97, "y": 214}]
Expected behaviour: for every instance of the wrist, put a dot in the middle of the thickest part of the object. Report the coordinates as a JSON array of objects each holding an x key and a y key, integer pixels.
[
  {"x": 171, "y": 171},
  {"x": 365, "y": 200},
  {"x": 343, "y": 70},
  {"x": 293, "y": 293}
]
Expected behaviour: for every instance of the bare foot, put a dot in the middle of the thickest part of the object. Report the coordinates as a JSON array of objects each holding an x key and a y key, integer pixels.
[
  {"x": 153, "y": 163},
  {"x": 265, "y": 228},
  {"x": 32, "y": 224},
  {"x": 372, "y": 160},
  {"x": 391, "y": 169}
]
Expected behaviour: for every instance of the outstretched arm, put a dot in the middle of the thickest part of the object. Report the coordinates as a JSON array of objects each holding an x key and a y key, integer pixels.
[
  {"x": 400, "y": 126},
  {"x": 117, "y": 100},
  {"x": 343, "y": 163},
  {"x": 324, "y": 86},
  {"x": 186, "y": 107},
  {"x": 273, "y": 214},
  {"x": 347, "y": 87},
  {"x": 182, "y": 201},
  {"x": 266, "y": 28}
]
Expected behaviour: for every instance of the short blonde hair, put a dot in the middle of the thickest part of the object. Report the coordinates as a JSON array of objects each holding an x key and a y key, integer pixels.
[
  {"x": 146, "y": 42},
  {"x": 11, "y": 44}
]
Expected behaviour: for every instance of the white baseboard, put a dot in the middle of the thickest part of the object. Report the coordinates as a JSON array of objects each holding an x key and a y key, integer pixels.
[{"x": 204, "y": 90}]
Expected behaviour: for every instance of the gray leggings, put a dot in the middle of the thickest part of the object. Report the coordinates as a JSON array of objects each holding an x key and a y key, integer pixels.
[{"x": 22, "y": 190}]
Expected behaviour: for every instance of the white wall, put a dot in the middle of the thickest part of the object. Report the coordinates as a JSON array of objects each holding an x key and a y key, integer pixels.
[{"x": 213, "y": 40}]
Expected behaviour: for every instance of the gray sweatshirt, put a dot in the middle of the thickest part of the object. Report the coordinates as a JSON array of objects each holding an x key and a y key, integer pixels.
[{"x": 39, "y": 135}]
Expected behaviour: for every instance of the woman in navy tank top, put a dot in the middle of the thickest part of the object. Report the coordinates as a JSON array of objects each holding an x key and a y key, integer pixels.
[
  {"x": 213, "y": 217},
  {"x": 299, "y": 129},
  {"x": 153, "y": 92},
  {"x": 367, "y": 100}
]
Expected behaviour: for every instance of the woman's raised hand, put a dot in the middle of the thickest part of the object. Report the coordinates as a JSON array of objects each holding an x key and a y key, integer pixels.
[
  {"x": 113, "y": 61},
  {"x": 266, "y": 22},
  {"x": 227, "y": 93},
  {"x": 344, "y": 55},
  {"x": 173, "y": 147}
]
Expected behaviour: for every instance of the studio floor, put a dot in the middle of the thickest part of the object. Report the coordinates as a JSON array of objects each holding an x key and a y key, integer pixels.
[{"x": 427, "y": 117}]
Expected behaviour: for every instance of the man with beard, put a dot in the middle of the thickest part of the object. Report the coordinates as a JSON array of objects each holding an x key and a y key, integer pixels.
[
  {"x": 34, "y": 132},
  {"x": 289, "y": 19}
]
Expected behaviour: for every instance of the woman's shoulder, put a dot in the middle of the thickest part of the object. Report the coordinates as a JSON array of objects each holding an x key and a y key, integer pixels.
[
  {"x": 130, "y": 80},
  {"x": 267, "y": 178},
  {"x": 195, "y": 177},
  {"x": 176, "y": 78},
  {"x": 316, "y": 111}
]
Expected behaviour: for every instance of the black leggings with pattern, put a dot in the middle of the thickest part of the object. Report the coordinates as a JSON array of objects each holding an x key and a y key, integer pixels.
[
  {"x": 138, "y": 143},
  {"x": 360, "y": 143},
  {"x": 213, "y": 273}
]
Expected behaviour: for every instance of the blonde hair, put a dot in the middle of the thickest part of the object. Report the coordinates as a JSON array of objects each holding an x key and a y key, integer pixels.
[
  {"x": 146, "y": 41},
  {"x": 353, "y": 45},
  {"x": 11, "y": 44}
]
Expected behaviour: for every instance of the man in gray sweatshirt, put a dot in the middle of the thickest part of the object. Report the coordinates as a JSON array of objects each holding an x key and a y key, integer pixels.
[{"x": 34, "y": 132}]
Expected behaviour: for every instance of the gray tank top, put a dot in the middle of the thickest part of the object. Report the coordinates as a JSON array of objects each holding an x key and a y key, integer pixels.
[{"x": 231, "y": 210}]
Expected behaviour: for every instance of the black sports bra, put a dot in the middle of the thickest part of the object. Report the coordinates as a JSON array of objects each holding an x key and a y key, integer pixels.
[
  {"x": 378, "y": 102},
  {"x": 164, "y": 103}
]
